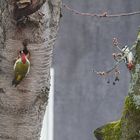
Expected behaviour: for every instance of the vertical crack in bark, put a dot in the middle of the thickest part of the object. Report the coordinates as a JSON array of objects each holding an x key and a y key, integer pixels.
[{"x": 50, "y": 6}]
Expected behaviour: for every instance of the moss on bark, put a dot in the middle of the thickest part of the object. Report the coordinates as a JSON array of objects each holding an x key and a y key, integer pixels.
[
  {"x": 110, "y": 131},
  {"x": 128, "y": 128},
  {"x": 130, "y": 120}
]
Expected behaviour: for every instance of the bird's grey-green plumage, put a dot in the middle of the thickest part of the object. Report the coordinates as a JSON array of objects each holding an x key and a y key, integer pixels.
[{"x": 20, "y": 70}]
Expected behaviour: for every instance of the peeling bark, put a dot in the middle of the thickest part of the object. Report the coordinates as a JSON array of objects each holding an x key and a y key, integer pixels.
[{"x": 22, "y": 108}]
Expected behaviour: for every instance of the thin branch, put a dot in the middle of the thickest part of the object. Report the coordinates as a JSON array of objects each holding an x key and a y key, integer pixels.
[
  {"x": 117, "y": 63},
  {"x": 104, "y": 14}
]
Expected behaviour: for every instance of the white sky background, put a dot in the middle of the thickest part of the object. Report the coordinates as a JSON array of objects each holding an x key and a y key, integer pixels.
[{"x": 47, "y": 129}]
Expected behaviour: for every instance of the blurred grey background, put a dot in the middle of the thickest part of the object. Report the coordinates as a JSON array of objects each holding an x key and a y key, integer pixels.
[{"x": 82, "y": 100}]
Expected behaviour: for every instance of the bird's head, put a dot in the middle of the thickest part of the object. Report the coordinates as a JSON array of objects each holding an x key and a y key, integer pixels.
[{"x": 23, "y": 57}]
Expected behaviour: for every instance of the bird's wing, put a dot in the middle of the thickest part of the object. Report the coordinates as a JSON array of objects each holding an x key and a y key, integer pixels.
[{"x": 18, "y": 61}]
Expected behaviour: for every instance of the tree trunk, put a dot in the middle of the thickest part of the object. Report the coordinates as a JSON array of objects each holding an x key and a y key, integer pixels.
[
  {"x": 22, "y": 108},
  {"x": 128, "y": 127}
]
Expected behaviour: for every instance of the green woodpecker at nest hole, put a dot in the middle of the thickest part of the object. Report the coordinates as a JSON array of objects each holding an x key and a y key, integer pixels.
[{"x": 21, "y": 68}]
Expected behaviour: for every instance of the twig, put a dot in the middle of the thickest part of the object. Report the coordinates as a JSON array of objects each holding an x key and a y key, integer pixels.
[
  {"x": 117, "y": 63},
  {"x": 104, "y": 14}
]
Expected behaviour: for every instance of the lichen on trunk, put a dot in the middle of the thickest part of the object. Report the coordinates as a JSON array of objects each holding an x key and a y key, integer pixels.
[{"x": 128, "y": 127}]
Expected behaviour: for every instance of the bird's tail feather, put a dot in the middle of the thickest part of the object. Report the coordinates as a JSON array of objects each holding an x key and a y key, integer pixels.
[{"x": 15, "y": 82}]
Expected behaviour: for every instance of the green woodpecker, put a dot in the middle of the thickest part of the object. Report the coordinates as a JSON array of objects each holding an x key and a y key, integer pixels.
[{"x": 21, "y": 68}]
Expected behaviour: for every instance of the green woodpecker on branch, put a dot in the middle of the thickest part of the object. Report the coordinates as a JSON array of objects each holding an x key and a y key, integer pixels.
[{"x": 21, "y": 68}]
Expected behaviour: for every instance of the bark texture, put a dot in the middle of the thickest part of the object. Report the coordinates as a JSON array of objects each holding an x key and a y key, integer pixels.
[
  {"x": 22, "y": 108},
  {"x": 128, "y": 127}
]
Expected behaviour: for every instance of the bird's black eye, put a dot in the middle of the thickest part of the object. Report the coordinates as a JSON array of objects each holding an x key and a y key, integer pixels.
[{"x": 21, "y": 52}]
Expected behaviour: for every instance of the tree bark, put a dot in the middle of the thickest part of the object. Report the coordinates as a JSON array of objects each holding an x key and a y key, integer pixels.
[
  {"x": 22, "y": 108},
  {"x": 128, "y": 127}
]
